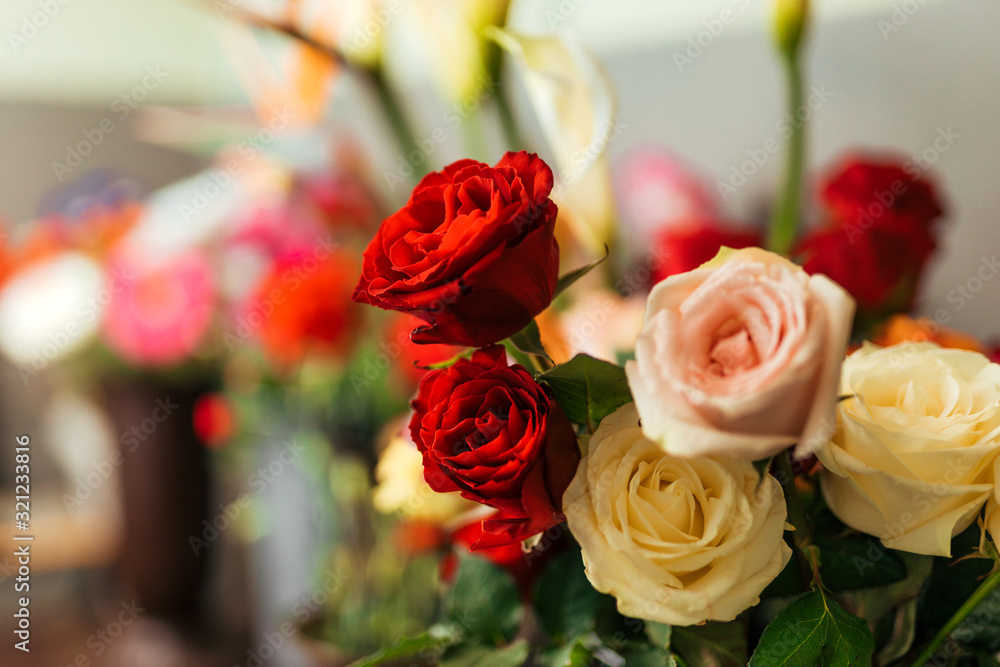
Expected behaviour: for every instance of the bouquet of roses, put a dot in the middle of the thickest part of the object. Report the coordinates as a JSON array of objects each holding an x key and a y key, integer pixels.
[
  {"x": 654, "y": 507},
  {"x": 773, "y": 472}
]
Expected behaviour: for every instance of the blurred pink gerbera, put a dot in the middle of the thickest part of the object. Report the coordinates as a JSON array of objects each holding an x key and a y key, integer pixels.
[{"x": 159, "y": 309}]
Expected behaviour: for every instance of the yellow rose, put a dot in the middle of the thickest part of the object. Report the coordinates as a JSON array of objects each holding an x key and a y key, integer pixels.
[
  {"x": 402, "y": 488},
  {"x": 912, "y": 459},
  {"x": 679, "y": 541}
]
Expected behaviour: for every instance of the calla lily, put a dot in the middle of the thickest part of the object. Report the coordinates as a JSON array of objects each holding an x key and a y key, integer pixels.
[
  {"x": 453, "y": 32},
  {"x": 572, "y": 97}
]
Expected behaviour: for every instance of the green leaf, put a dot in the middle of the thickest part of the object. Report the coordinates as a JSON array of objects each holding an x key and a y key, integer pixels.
[
  {"x": 788, "y": 583},
  {"x": 947, "y": 589},
  {"x": 658, "y": 633},
  {"x": 762, "y": 466},
  {"x": 850, "y": 561},
  {"x": 518, "y": 356},
  {"x": 485, "y": 602},
  {"x": 513, "y": 655},
  {"x": 588, "y": 389},
  {"x": 566, "y": 601},
  {"x": 568, "y": 279},
  {"x": 648, "y": 656},
  {"x": 580, "y": 656},
  {"x": 814, "y": 630},
  {"x": 434, "y": 641},
  {"x": 711, "y": 645},
  {"x": 979, "y": 630},
  {"x": 443, "y": 364},
  {"x": 529, "y": 340},
  {"x": 984, "y": 658},
  {"x": 557, "y": 656},
  {"x": 893, "y": 608}
]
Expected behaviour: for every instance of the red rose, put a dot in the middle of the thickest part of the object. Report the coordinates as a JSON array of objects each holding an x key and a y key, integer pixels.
[
  {"x": 472, "y": 253},
  {"x": 490, "y": 431},
  {"x": 879, "y": 268},
  {"x": 870, "y": 194},
  {"x": 524, "y": 567},
  {"x": 683, "y": 249},
  {"x": 880, "y": 237}
]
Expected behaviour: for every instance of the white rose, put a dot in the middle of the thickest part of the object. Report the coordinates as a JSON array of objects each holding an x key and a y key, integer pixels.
[
  {"x": 912, "y": 459},
  {"x": 741, "y": 357},
  {"x": 679, "y": 541}
]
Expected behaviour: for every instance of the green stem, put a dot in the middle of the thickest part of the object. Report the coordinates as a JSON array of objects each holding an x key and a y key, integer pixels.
[
  {"x": 474, "y": 139},
  {"x": 784, "y": 221},
  {"x": 796, "y": 510},
  {"x": 978, "y": 596},
  {"x": 802, "y": 537},
  {"x": 507, "y": 120},
  {"x": 389, "y": 102}
]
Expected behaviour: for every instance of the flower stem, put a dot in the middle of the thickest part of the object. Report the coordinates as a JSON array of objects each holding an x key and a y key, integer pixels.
[
  {"x": 796, "y": 510},
  {"x": 785, "y": 218},
  {"x": 507, "y": 120},
  {"x": 475, "y": 140},
  {"x": 977, "y": 596},
  {"x": 802, "y": 537},
  {"x": 394, "y": 114}
]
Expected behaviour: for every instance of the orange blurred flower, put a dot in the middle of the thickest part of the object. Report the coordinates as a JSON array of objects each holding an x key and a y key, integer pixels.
[
  {"x": 304, "y": 305},
  {"x": 902, "y": 328}
]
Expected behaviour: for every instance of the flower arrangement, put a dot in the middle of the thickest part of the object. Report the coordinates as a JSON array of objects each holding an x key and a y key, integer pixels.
[
  {"x": 641, "y": 434},
  {"x": 781, "y": 469}
]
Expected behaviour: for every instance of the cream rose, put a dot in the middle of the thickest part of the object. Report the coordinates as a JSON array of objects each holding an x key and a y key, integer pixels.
[
  {"x": 740, "y": 357},
  {"x": 679, "y": 541},
  {"x": 912, "y": 459}
]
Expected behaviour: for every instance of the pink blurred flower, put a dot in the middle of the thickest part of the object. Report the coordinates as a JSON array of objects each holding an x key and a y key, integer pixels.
[
  {"x": 656, "y": 190},
  {"x": 275, "y": 231},
  {"x": 342, "y": 199},
  {"x": 161, "y": 312}
]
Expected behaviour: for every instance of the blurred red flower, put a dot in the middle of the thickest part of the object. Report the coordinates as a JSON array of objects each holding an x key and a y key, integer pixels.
[
  {"x": 214, "y": 420},
  {"x": 303, "y": 305},
  {"x": 879, "y": 236},
  {"x": 879, "y": 193},
  {"x": 684, "y": 248},
  {"x": 341, "y": 199}
]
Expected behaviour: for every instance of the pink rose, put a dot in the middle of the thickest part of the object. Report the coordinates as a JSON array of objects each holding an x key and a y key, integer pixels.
[{"x": 741, "y": 357}]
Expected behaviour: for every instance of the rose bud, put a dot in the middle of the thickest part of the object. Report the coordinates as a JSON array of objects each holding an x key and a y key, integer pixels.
[
  {"x": 472, "y": 253},
  {"x": 490, "y": 431}
]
